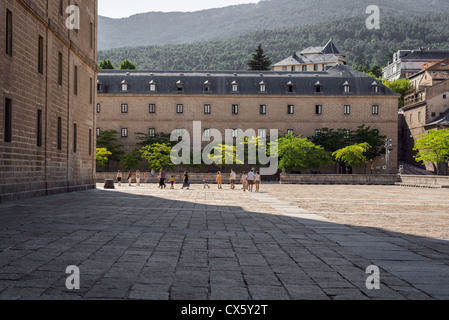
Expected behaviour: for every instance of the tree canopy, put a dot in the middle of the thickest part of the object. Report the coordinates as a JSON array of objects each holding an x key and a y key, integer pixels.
[
  {"x": 259, "y": 60},
  {"x": 433, "y": 147}
]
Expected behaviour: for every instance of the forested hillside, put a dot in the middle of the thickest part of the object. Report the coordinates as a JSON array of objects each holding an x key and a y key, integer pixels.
[
  {"x": 350, "y": 35},
  {"x": 158, "y": 28}
]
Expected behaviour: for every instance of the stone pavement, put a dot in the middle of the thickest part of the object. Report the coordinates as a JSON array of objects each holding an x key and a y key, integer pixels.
[{"x": 147, "y": 243}]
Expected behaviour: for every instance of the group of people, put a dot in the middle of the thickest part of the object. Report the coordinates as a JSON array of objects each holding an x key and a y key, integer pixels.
[{"x": 250, "y": 180}]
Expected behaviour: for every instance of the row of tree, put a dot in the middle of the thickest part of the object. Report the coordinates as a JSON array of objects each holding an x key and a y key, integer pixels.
[{"x": 347, "y": 148}]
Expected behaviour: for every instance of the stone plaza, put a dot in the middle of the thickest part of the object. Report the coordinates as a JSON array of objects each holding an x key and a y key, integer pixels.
[{"x": 288, "y": 242}]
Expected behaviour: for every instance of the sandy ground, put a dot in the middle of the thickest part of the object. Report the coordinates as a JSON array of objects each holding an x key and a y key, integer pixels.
[{"x": 415, "y": 211}]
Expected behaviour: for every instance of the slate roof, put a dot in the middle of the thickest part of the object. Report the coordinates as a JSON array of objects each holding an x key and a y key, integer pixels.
[
  {"x": 220, "y": 82},
  {"x": 442, "y": 120},
  {"x": 427, "y": 55}
]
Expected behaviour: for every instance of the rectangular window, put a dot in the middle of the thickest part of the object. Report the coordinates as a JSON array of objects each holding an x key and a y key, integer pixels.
[
  {"x": 235, "y": 109},
  {"x": 124, "y": 132},
  {"x": 59, "y": 134},
  {"x": 318, "y": 109},
  {"x": 90, "y": 142},
  {"x": 91, "y": 31},
  {"x": 411, "y": 118},
  {"x": 290, "y": 109},
  {"x": 98, "y": 132},
  {"x": 290, "y": 132},
  {"x": 151, "y": 132},
  {"x": 124, "y": 108},
  {"x": 207, "y": 109},
  {"x": 39, "y": 129},
  {"x": 75, "y": 81},
  {"x": 151, "y": 108},
  {"x": 91, "y": 91},
  {"x": 206, "y": 133},
  {"x": 347, "y": 109},
  {"x": 60, "y": 68},
  {"x": 235, "y": 133},
  {"x": 375, "y": 109},
  {"x": 61, "y": 7},
  {"x": 304, "y": 68},
  {"x": 8, "y": 120},
  {"x": 263, "y": 109},
  {"x": 75, "y": 137},
  {"x": 317, "y": 132},
  {"x": 40, "y": 55},
  {"x": 293, "y": 68},
  {"x": 262, "y": 133},
  {"x": 419, "y": 116},
  {"x": 98, "y": 108},
  {"x": 8, "y": 32},
  {"x": 179, "y": 108},
  {"x": 315, "y": 67}
]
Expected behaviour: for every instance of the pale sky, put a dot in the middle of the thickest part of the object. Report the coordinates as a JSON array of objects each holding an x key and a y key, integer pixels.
[{"x": 126, "y": 8}]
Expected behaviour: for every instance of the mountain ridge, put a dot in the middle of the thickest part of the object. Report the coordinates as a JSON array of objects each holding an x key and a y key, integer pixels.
[{"x": 162, "y": 28}]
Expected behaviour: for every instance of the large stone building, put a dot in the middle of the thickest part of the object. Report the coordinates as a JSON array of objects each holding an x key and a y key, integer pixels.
[
  {"x": 303, "y": 103},
  {"x": 48, "y": 75},
  {"x": 312, "y": 59},
  {"x": 426, "y": 107}
]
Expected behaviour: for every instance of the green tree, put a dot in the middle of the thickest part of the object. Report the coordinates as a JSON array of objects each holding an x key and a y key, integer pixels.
[
  {"x": 259, "y": 60},
  {"x": 159, "y": 137},
  {"x": 401, "y": 86},
  {"x": 108, "y": 139},
  {"x": 433, "y": 147},
  {"x": 127, "y": 65},
  {"x": 353, "y": 155},
  {"x": 102, "y": 156},
  {"x": 130, "y": 160},
  {"x": 157, "y": 155},
  {"x": 106, "y": 64},
  {"x": 300, "y": 153},
  {"x": 372, "y": 137}
]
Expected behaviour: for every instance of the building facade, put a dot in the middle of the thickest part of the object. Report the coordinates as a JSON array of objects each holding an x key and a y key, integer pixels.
[
  {"x": 131, "y": 102},
  {"x": 312, "y": 59},
  {"x": 48, "y": 75}
]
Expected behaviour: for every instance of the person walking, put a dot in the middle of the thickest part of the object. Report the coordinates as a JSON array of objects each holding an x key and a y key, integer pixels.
[
  {"x": 219, "y": 180},
  {"x": 244, "y": 181},
  {"x": 130, "y": 177},
  {"x": 172, "y": 182},
  {"x": 137, "y": 178},
  {"x": 232, "y": 176},
  {"x": 162, "y": 175},
  {"x": 145, "y": 176},
  {"x": 206, "y": 184},
  {"x": 119, "y": 178},
  {"x": 251, "y": 180},
  {"x": 152, "y": 174},
  {"x": 257, "y": 180},
  {"x": 185, "y": 182}
]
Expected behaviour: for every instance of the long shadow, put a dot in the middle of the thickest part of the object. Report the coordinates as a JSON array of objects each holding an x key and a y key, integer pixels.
[{"x": 158, "y": 247}]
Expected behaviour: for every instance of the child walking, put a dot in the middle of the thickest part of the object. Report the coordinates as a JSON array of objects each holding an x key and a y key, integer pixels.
[
  {"x": 172, "y": 182},
  {"x": 206, "y": 184}
]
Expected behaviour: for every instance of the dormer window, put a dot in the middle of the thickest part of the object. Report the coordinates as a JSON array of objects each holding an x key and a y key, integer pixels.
[
  {"x": 179, "y": 86},
  {"x": 262, "y": 87},
  {"x": 99, "y": 86},
  {"x": 124, "y": 85},
  {"x": 152, "y": 85},
  {"x": 234, "y": 86},
  {"x": 375, "y": 87},
  {"x": 318, "y": 87},
  {"x": 207, "y": 87},
  {"x": 290, "y": 86},
  {"x": 346, "y": 87}
]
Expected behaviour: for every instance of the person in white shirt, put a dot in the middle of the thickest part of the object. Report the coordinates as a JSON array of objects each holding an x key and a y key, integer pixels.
[
  {"x": 232, "y": 176},
  {"x": 251, "y": 180}
]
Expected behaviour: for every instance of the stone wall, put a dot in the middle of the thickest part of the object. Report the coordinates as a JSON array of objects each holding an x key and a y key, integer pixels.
[{"x": 364, "y": 179}]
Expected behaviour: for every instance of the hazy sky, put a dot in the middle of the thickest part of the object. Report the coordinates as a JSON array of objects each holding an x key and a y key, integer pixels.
[{"x": 125, "y": 8}]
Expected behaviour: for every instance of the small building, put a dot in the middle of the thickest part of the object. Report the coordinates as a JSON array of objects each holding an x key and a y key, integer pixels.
[
  {"x": 405, "y": 63},
  {"x": 312, "y": 59}
]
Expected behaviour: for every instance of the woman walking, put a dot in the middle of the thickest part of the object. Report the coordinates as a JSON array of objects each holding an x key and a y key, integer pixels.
[
  {"x": 219, "y": 180},
  {"x": 119, "y": 178},
  {"x": 244, "y": 181},
  {"x": 185, "y": 182},
  {"x": 232, "y": 176},
  {"x": 130, "y": 177},
  {"x": 137, "y": 178},
  {"x": 257, "y": 179}
]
